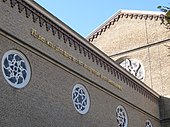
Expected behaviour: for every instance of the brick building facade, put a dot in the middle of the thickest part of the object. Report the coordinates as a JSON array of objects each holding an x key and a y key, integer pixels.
[
  {"x": 51, "y": 76},
  {"x": 139, "y": 42}
]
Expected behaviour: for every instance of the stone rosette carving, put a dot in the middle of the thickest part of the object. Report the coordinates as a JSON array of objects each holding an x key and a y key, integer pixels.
[
  {"x": 148, "y": 123},
  {"x": 80, "y": 99},
  {"x": 121, "y": 116},
  {"x": 134, "y": 67},
  {"x": 16, "y": 69}
]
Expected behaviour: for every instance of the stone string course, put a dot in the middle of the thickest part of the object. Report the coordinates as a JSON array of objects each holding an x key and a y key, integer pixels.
[{"x": 82, "y": 48}]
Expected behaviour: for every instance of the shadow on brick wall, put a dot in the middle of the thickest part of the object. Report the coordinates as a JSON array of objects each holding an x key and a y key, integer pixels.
[{"x": 165, "y": 111}]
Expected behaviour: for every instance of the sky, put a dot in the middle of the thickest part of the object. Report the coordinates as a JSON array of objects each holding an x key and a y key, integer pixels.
[{"x": 84, "y": 16}]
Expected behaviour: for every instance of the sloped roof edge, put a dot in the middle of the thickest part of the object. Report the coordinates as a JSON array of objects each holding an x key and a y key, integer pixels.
[
  {"x": 103, "y": 24},
  {"x": 121, "y": 13}
]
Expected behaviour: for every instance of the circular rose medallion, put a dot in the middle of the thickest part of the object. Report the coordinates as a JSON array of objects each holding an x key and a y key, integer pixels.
[
  {"x": 121, "y": 116},
  {"x": 148, "y": 123},
  {"x": 134, "y": 67},
  {"x": 80, "y": 99},
  {"x": 16, "y": 69}
]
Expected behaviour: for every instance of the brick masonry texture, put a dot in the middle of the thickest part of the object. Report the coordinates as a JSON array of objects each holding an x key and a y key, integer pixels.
[
  {"x": 46, "y": 100},
  {"x": 147, "y": 41}
]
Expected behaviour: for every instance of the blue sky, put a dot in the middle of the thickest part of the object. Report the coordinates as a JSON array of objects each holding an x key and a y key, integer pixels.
[{"x": 84, "y": 16}]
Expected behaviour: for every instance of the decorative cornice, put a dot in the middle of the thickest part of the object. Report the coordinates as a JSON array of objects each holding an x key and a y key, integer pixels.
[
  {"x": 79, "y": 46},
  {"x": 146, "y": 15}
]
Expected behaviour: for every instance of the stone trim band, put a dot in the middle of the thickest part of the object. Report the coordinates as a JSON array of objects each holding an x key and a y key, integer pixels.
[{"x": 72, "y": 58}]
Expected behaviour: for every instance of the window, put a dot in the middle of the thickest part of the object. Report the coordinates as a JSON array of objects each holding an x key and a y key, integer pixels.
[
  {"x": 121, "y": 116},
  {"x": 16, "y": 69},
  {"x": 148, "y": 123},
  {"x": 134, "y": 67},
  {"x": 80, "y": 99}
]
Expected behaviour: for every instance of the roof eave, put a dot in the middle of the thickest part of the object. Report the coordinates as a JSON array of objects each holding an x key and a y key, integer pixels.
[{"x": 121, "y": 11}]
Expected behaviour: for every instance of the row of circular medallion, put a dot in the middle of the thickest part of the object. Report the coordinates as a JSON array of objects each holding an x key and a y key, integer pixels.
[
  {"x": 81, "y": 101},
  {"x": 17, "y": 72}
]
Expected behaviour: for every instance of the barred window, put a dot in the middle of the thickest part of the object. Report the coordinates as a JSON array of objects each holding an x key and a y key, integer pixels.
[
  {"x": 121, "y": 116},
  {"x": 80, "y": 99},
  {"x": 16, "y": 69}
]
